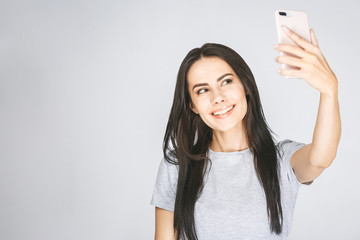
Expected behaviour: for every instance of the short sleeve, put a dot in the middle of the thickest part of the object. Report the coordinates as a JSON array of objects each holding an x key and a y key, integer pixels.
[
  {"x": 164, "y": 193},
  {"x": 287, "y": 149}
]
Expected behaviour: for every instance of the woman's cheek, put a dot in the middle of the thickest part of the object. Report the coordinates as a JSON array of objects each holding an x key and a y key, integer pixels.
[{"x": 201, "y": 103}]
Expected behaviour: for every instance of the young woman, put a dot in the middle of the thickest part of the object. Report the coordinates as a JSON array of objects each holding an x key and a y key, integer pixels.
[{"x": 223, "y": 176}]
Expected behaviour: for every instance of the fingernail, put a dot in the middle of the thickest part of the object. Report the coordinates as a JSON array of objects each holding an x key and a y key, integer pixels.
[
  {"x": 285, "y": 29},
  {"x": 276, "y": 46}
]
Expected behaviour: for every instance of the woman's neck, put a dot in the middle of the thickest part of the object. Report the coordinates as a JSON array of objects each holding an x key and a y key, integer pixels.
[{"x": 230, "y": 141}]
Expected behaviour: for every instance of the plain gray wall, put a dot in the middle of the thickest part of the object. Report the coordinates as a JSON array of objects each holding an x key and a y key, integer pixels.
[{"x": 86, "y": 89}]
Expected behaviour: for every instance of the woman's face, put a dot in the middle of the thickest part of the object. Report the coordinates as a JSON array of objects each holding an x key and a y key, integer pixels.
[{"x": 217, "y": 94}]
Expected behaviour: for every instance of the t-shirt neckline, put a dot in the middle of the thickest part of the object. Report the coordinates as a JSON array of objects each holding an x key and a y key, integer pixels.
[{"x": 229, "y": 153}]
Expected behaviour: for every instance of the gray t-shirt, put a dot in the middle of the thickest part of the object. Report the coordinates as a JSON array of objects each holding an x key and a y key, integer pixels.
[{"x": 233, "y": 204}]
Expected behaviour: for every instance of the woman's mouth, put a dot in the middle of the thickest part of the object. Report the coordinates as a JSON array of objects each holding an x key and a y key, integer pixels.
[{"x": 223, "y": 113}]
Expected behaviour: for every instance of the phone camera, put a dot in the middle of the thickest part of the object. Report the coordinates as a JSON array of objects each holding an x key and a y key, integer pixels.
[{"x": 282, "y": 13}]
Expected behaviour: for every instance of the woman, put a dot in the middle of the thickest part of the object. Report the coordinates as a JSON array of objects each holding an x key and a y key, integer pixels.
[{"x": 222, "y": 176}]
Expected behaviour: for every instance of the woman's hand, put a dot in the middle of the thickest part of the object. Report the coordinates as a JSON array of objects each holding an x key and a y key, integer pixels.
[
  {"x": 309, "y": 61},
  {"x": 310, "y": 161}
]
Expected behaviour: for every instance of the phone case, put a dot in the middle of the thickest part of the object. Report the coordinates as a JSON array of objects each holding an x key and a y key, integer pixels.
[{"x": 297, "y": 21}]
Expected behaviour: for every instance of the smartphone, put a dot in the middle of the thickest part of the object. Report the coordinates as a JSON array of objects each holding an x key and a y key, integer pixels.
[{"x": 297, "y": 21}]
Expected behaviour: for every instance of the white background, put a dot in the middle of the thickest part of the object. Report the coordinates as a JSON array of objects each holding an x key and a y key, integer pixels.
[{"x": 86, "y": 89}]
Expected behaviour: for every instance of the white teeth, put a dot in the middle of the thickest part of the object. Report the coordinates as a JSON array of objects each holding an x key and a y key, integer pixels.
[{"x": 223, "y": 111}]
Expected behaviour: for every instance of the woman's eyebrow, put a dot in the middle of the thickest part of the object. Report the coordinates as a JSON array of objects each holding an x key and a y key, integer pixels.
[
  {"x": 226, "y": 74},
  {"x": 205, "y": 84}
]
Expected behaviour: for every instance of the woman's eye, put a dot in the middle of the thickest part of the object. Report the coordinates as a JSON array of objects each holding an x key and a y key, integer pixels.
[
  {"x": 200, "y": 91},
  {"x": 227, "y": 81}
]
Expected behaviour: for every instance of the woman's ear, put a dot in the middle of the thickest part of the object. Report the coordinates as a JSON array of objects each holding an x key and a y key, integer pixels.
[{"x": 193, "y": 108}]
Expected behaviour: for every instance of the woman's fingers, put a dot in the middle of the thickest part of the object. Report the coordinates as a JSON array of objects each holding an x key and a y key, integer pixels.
[
  {"x": 307, "y": 46},
  {"x": 292, "y": 49},
  {"x": 293, "y": 61},
  {"x": 293, "y": 73},
  {"x": 313, "y": 38},
  {"x": 308, "y": 62},
  {"x": 303, "y": 67}
]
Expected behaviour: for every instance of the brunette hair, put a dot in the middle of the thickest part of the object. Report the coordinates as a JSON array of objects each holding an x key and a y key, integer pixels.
[{"x": 187, "y": 139}]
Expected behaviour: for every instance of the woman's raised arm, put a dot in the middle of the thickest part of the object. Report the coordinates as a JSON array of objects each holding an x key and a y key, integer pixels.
[{"x": 309, "y": 161}]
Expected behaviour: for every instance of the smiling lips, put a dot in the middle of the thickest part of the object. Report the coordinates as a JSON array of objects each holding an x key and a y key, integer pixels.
[{"x": 223, "y": 113}]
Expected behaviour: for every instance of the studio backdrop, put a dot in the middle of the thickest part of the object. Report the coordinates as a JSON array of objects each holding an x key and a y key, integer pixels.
[{"x": 86, "y": 89}]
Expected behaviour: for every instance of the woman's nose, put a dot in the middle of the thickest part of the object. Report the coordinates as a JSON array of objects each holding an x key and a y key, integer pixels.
[{"x": 218, "y": 97}]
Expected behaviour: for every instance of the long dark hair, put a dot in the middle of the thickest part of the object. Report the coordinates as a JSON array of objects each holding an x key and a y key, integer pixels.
[{"x": 187, "y": 139}]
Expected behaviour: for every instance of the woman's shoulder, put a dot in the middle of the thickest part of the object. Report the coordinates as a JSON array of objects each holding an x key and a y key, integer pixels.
[
  {"x": 169, "y": 165},
  {"x": 164, "y": 193},
  {"x": 288, "y": 146}
]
